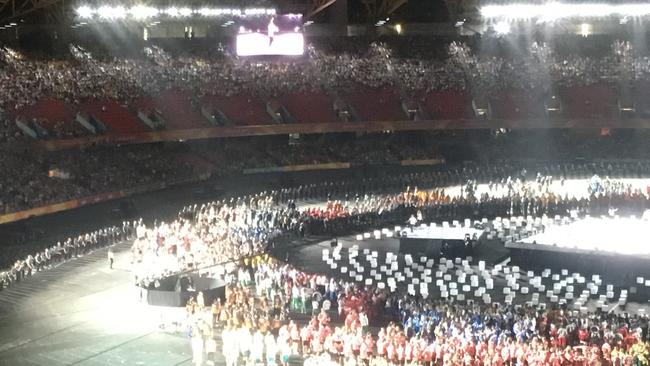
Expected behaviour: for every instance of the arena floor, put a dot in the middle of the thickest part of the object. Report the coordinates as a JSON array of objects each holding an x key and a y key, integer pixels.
[{"x": 83, "y": 313}]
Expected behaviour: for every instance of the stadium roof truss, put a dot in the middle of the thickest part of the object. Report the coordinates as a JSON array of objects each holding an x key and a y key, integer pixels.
[
  {"x": 379, "y": 9},
  {"x": 317, "y": 7},
  {"x": 12, "y": 9}
]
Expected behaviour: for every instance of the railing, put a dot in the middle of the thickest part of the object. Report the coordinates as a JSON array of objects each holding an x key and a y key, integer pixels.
[{"x": 317, "y": 128}]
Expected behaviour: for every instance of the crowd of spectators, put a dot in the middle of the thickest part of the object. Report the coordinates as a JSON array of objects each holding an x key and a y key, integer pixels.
[
  {"x": 32, "y": 178},
  {"x": 368, "y": 149},
  {"x": 81, "y": 75},
  {"x": 39, "y": 178}
]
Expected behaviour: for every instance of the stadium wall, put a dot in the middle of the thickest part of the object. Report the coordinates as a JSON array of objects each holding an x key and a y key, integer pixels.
[{"x": 318, "y": 128}]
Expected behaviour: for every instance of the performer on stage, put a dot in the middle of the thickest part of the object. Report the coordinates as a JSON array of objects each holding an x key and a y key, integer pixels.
[
  {"x": 111, "y": 258},
  {"x": 272, "y": 30}
]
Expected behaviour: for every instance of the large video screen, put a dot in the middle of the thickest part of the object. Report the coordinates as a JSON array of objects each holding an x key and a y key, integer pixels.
[{"x": 272, "y": 35}]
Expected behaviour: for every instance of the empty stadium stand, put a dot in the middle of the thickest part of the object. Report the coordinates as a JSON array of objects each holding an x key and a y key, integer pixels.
[
  {"x": 177, "y": 111},
  {"x": 593, "y": 101},
  {"x": 376, "y": 104},
  {"x": 115, "y": 117},
  {"x": 310, "y": 106},
  {"x": 243, "y": 110},
  {"x": 48, "y": 112},
  {"x": 446, "y": 104}
]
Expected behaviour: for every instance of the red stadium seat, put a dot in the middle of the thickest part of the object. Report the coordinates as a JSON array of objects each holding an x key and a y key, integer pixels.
[
  {"x": 376, "y": 104},
  {"x": 115, "y": 117},
  {"x": 176, "y": 110},
  {"x": 639, "y": 93},
  {"x": 241, "y": 109},
  {"x": 593, "y": 101},
  {"x": 49, "y": 112},
  {"x": 447, "y": 104},
  {"x": 145, "y": 104},
  {"x": 512, "y": 104},
  {"x": 310, "y": 106}
]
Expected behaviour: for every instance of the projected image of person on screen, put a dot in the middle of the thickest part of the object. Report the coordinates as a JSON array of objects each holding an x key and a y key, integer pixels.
[
  {"x": 273, "y": 35},
  {"x": 272, "y": 30}
]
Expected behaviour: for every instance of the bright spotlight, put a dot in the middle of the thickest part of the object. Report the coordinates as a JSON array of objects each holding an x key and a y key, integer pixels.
[
  {"x": 143, "y": 12},
  {"x": 172, "y": 12},
  {"x": 185, "y": 12},
  {"x": 255, "y": 11},
  {"x": 502, "y": 27},
  {"x": 110, "y": 12},
  {"x": 585, "y": 30},
  {"x": 553, "y": 10},
  {"x": 207, "y": 12},
  {"x": 84, "y": 12},
  {"x": 398, "y": 28}
]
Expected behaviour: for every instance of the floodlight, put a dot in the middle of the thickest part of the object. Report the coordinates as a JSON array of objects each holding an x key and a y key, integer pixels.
[
  {"x": 84, "y": 12},
  {"x": 110, "y": 12},
  {"x": 172, "y": 12},
  {"x": 502, "y": 27},
  {"x": 555, "y": 10},
  {"x": 185, "y": 12},
  {"x": 143, "y": 12}
]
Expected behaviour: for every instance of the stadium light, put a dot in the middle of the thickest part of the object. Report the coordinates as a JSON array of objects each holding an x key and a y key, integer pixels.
[
  {"x": 585, "y": 29},
  {"x": 143, "y": 12},
  {"x": 259, "y": 11},
  {"x": 502, "y": 27},
  {"x": 172, "y": 12},
  {"x": 111, "y": 12},
  {"x": 85, "y": 12},
  {"x": 555, "y": 10},
  {"x": 211, "y": 12},
  {"x": 185, "y": 12}
]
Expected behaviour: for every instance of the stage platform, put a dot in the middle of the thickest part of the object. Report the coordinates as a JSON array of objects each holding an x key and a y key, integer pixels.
[
  {"x": 617, "y": 246},
  {"x": 441, "y": 232},
  {"x": 437, "y": 240},
  {"x": 597, "y": 235}
]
